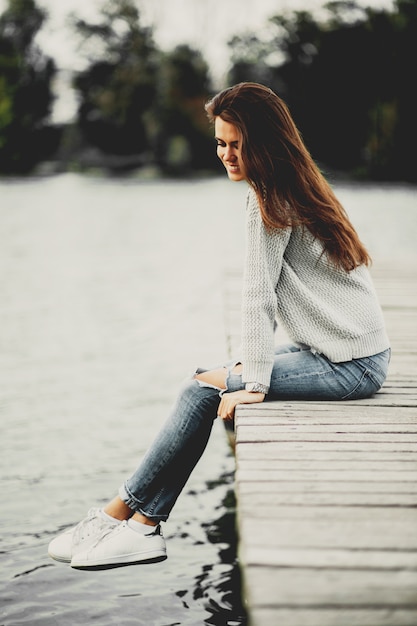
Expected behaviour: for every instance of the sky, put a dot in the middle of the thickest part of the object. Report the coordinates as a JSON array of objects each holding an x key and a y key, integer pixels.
[{"x": 204, "y": 24}]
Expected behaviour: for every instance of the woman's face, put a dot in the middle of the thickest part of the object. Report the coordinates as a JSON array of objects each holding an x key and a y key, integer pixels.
[{"x": 229, "y": 148}]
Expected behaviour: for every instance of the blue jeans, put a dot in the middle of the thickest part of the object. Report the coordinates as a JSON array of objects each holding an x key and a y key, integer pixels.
[{"x": 298, "y": 374}]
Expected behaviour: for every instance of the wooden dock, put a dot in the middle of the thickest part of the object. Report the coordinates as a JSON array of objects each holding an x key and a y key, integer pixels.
[{"x": 327, "y": 494}]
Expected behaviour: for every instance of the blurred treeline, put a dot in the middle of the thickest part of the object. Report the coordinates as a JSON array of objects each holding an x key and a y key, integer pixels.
[{"x": 348, "y": 77}]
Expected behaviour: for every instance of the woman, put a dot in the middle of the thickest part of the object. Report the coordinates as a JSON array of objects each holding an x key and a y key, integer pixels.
[{"x": 306, "y": 268}]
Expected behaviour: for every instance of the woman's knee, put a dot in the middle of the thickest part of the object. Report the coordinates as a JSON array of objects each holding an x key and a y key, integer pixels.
[
  {"x": 197, "y": 394},
  {"x": 223, "y": 378},
  {"x": 213, "y": 378}
]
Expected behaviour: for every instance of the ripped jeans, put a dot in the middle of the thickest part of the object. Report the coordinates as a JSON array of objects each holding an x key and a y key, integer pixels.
[{"x": 298, "y": 373}]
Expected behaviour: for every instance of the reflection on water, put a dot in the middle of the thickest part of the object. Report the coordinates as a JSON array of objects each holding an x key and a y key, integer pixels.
[
  {"x": 225, "y": 604},
  {"x": 111, "y": 292},
  {"x": 223, "y": 531}
]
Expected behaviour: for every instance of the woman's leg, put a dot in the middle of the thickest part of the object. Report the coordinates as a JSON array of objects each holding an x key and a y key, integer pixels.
[
  {"x": 300, "y": 373},
  {"x": 156, "y": 484},
  {"x": 148, "y": 496},
  {"x": 153, "y": 489}
]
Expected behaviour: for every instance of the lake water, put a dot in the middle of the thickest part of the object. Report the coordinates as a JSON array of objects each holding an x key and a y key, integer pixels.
[{"x": 112, "y": 291}]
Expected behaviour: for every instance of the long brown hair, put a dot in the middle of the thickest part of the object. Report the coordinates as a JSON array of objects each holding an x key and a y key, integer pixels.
[{"x": 290, "y": 188}]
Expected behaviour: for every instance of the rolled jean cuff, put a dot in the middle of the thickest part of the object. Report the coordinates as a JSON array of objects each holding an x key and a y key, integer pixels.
[
  {"x": 127, "y": 498},
  {"x": 134, "y": 505}
]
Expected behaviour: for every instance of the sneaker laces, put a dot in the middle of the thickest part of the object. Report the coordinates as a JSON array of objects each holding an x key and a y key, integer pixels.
[
  {"x": 90, "y": 525},
  {"x": 109, "y": 530}
]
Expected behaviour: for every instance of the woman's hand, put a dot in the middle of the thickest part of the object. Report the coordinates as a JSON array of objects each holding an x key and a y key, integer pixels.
[{"x": 229, "y": 402}]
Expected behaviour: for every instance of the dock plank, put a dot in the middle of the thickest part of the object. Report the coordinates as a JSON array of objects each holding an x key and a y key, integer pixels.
[
  {"x": 327, "y": 494},
  {"x": 342, "y": 616}
]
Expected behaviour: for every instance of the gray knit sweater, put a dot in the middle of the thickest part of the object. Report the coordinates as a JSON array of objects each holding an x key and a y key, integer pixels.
[{"x": 288, "y": 279}]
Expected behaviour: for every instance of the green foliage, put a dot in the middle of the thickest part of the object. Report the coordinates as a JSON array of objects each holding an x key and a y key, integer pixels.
[
  {"x": 134, "y": 99},
  {"x": 118, "y": 87},
  {"x": 348, "y": 78},
  {"x": 25, "y": 89},
  {"x": 183, "y": 88}
]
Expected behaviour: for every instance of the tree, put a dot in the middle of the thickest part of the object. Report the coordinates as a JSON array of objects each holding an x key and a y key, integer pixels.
[
  {"x": 183, "y": 138},
  {"x": 328, "y": 77},
  {"x": 349, "y": 83},
  {"x": 393, "y": 134},
  {"x": 118, "y": 87},
  {"x": 25, "y": 89}
]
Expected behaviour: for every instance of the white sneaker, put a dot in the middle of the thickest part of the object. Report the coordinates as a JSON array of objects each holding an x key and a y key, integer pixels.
[
  {"x": 79, "y": 537},
  {"x": 121, "y": 546}
]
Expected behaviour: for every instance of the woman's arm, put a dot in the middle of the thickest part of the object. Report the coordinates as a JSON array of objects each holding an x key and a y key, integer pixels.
[{"x": 264, "y": 257}]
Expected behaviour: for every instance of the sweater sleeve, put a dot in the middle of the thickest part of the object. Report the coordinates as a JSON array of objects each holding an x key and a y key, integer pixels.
[{"x": 264, "y": 256}]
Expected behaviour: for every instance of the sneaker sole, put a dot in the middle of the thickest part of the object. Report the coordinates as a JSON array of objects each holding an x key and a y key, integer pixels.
[
  {"x": 135, "y": 561},
  {"x": 61, "y": 559}
]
